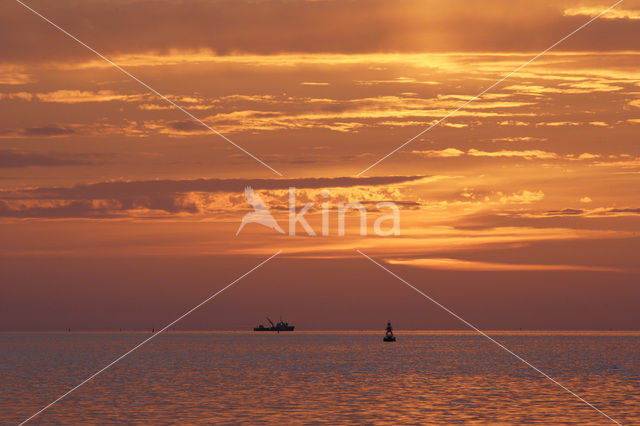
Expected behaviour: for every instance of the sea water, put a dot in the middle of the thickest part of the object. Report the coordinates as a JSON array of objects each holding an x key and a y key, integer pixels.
[{"x": 320, "y": 377}]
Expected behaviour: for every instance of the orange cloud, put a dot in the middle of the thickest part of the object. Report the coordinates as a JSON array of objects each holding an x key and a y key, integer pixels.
[
  {"x": 81, "y": 96},
  {"x": 523, "y": 197},
  {"x": 472, "y": 265},
  {"x": 529, "y": 154},
  {"x": 443, "y": 153},
  {"x": 617, "y": 13}
]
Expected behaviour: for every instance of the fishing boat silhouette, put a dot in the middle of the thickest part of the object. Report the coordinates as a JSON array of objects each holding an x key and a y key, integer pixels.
[{"x": 280, "y": 326}]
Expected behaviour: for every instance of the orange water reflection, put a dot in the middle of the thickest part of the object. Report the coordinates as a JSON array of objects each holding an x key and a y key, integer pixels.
[{"x": 338, "y": 378}]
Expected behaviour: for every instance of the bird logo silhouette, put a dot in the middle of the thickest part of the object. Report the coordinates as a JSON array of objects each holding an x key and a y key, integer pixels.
[{"x": 260, "y": 214}]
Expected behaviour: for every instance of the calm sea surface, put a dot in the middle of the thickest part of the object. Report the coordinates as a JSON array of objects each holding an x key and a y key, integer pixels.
[{"x": 331, "y": 378}]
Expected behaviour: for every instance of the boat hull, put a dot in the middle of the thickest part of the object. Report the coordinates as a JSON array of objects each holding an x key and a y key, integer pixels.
[{"x": 274, "y": 328}]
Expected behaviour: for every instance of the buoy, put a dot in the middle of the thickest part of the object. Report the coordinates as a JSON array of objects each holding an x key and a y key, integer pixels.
[{"x": 388, "y": 336}]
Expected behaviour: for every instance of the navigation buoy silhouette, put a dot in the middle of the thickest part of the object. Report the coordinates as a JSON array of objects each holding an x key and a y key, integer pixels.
[{"x": 388, "y": 335}]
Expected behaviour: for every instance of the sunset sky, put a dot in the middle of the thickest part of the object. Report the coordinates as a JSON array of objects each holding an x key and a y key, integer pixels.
[{"x": 522, "y": 210}]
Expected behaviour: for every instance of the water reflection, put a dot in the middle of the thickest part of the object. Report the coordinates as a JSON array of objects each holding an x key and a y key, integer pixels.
[{"x": 345, "y": 378}]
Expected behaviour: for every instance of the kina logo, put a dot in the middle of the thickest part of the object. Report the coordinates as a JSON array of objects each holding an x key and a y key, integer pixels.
[{"x": 260, "y": 213}]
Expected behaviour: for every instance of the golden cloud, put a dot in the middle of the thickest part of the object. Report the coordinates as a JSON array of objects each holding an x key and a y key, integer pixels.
[{"x": 474, "y": 265}]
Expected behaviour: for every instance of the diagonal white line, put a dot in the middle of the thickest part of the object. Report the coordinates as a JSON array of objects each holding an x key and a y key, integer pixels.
[
  {"x": 149, "y": 338},
  {"x": 150, "y": 88},
  {"x": 490, "y": 338},
  {"x": 490, "y": 87}
]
